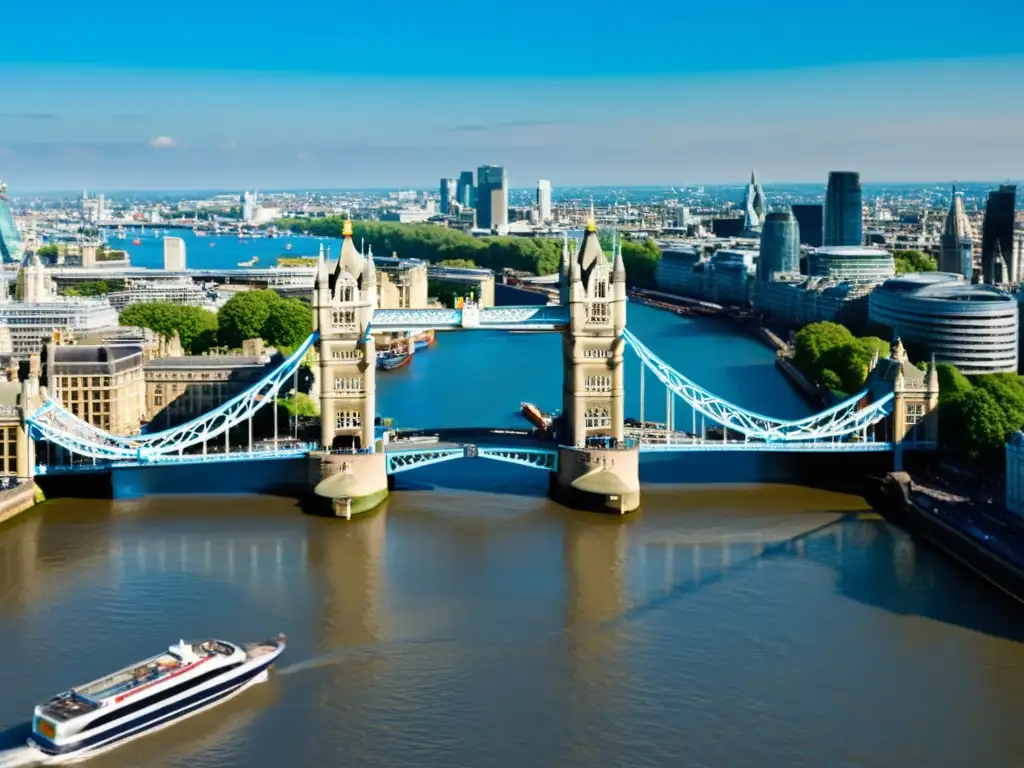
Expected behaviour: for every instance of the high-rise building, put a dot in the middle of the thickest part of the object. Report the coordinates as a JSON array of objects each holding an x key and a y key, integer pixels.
[
  {"x": 754, "y": 205},
  {"x": 544, "y": 200},
  {"x": 811, "y": 219},
  {"x": 491, "y": 197},
  {"x": 448, "y": 192},
  {"x": 844, "y": 212},
  {"x": 780, "y": 246},
  {"x": 174, "y": 254},
  {"x": 11, "y": 246},
  {"x": 956, "y": 254},
  {"x": 464, "y": 194},
  {"x": 248, "y": 207},
  {"x": 997, "y": 233}
]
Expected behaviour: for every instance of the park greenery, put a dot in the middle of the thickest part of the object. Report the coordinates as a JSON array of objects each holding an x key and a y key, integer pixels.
[
  {"x": 282, "y": 323},
  {"x": 452, "y": 247},
  {"x": 913, "y": 261},
  {"x": 300, "y": 404},
  {"x": 93, "y": 288},
  {"x": 830, "y": 355},
  {"x": 977, "y": 414}
]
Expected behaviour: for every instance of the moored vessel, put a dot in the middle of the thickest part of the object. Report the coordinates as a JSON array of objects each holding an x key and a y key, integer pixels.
[
  {"x": 424, "y": 340},
  {"x": 185, "y": 680},
  {"x": 535, "y": 416},
  {"x": 388, "y": 361}
]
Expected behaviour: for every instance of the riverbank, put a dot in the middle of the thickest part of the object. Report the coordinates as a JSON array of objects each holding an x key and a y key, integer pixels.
[
  {"x": 14, "y": 501},
  {"x": 986, "y": 540}
]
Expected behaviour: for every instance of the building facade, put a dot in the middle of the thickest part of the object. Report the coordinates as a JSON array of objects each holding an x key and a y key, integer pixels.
[
  {"x": 755, "y": 206},
  {"x": 914, "y": 419},
  {"x": 12, "y": 247},
  {"x": 544, "y": 200},
  {"x": 997, "y": 235},
  {"x": 181, "y": 388},
  {"x": 780, "y": 246},
  {"x": 464, "y": 192},
  {"x": 102, "y": 385},
  {"x": 177, "y": 291},
  {"x": 491, "y": 197},
  {"x": 174, "y": 254},
  {"x": 448, "y": 193},
  {"x": 853, "y": 263},
  {"x": 810, "y": 217},
  {"x": 844, "y": 210},
  {"x": 973, "y": 327}
]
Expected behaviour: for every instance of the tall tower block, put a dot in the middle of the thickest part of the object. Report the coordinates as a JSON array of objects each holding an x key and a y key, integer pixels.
[
  {"x": 596, "y": 468},
  {"x": 344, "y": 303}
]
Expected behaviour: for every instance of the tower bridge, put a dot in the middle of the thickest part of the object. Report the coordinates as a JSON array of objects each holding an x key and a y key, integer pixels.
[{"x": 591, "y": 455}]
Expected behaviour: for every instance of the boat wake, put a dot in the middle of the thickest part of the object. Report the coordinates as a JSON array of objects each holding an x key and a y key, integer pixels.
[
  {"x": 351, "y": 654},
  {"x": 20, "y": 756}
]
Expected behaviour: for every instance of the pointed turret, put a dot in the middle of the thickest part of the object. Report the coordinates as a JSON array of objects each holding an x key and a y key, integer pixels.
[
  {"x": 618, "y": 266},
  {"x": 899, "y": 354},
  {"x": 349, "y": 259},
  {"x": 933, "y": 377}
]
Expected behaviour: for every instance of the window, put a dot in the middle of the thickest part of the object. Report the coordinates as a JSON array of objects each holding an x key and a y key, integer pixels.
[
  {"x": 601, "y": 290},
  {"x": 348, "y": 294},
  {"x": 347, "y": 354},
  {"x": 343, "y": 318},
  {"x": 597, "y": 312},
  {"x": 348, "y": 420},
  {"x": 597, "y": 418},
  {"x": 598, "y": 384},
  {"x": 348, "y": 385},
  {"x": 914, "y": 428},
  {"x": 597, "y": 354}
]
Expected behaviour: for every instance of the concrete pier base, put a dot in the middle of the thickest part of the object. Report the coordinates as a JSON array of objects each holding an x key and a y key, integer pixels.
[
  {"x": 597, "y": 479},
  {"x": 350, "y": 484}
]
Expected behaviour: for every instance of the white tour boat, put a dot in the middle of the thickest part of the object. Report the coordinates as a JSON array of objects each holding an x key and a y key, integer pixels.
[{"x": 187, "y": 679}]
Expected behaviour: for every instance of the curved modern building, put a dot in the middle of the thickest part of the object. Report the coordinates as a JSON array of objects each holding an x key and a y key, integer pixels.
[
  {"x": 851, "y": 262},
  {"x": 973, "y": 327},
  {"x": 780, "y": 246}
]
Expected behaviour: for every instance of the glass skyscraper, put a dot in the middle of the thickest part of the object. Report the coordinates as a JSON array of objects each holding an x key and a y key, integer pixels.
[
  {"x": 464, "y": 190},
  {"x": 997, "y": 234},
  {"x": 780, "y": 246},
  {"x": 448, "y": 194},
  {"x": 11, "y": 247},
  {"x": 491, "y": 197},
  {"x": 810, "y": 218},
  {"x": 844, "y": 212}
]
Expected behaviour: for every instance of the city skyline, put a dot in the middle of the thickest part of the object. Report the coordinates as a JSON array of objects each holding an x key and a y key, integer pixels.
[{"x": 163, "y": 107}]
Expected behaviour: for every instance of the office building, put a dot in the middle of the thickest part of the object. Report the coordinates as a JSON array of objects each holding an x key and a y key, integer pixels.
[
  {"x": 102, "y": 385},
  {"x": 448, "y": 194},
  {"x": 12, "y": 248},
  {"x": 176, "y": 291},
  {"x": 174, "y": 254},
  {"x": 780, "y": 246},
  {"x": 844, "y": 211},
  {"x": 544, "y": 200},
  {"x": 857, "y": 264},
  {"x": 180, "y": 388},
  {"x": 754, "y": 207},
  {"x": 956, "y": 246},
  {"x": 464, "y": 191},
  {"x": 248, "y": 207},
  {"x": 973, "y": 327},
  {"x": 997, "y": 235},
  {"x": 491, "y": 197},
  {"x": 810, "y": 217},
  {"x": 42, "y": 313}
]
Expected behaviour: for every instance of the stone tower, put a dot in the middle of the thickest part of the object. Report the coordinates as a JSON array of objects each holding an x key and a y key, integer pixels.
[
  {"x": 343, "y": 306},
  {"x": 596, "y": 467},
  {"x": 592, "y": 347}
]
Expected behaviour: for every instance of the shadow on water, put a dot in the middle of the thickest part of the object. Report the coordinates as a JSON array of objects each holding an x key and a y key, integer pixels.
[
  {"x": 480, "y": 475},
  {"x": 876, "y": 565}
]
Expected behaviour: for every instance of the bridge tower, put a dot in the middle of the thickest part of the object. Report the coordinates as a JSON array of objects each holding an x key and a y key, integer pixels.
[
  {"x": 343, "y": 305},
  {"x": 596, "y": 468}
]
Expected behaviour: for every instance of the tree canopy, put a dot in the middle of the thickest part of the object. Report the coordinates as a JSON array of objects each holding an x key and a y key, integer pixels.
[
  {"x": 196, "y": 327},
  {"x": 452, "y": 247},
  {"x": 263, "y": 315},
  {"x": 833, "y": 357},
  {"x": 913, "y": 261}
]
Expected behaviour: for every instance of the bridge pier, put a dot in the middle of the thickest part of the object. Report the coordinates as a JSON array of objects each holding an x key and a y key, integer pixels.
[
  {"x": 350, "y": 483},
  {"x": 597, "y": 479}
]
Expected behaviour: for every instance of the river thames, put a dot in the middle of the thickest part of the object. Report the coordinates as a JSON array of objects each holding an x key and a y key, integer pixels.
[{"x": 472, "y": 622}]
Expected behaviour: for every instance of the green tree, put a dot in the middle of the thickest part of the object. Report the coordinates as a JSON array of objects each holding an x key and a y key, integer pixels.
[
  {"x": 466, "y": 263},
  {"x": 814, "y": 340},
  {"x": 300, "y": 404},
  {"x": 245, "y": 316},
  {"x": 913, "y": 261},
  {"x": 289, "y": 323},
  {"x": 196, "y": 327},
  {"x": 983, "y": 425},
  {"x": 47, "y": 252}
]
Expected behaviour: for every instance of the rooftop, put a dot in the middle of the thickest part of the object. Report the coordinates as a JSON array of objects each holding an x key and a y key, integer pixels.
[
  {"x": 203, "y": 361},
  {"x": 943, "y": 286}
]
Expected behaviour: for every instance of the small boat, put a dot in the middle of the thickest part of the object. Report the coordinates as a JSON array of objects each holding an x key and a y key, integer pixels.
[
  {"x": 388, "y": 361},
  {"x": 534, "y": 415},
  {"x": 424, "y": 341},
  {"x": 250, "y": 263},
  {"x": 147, "y": 696},
  {"x": 136, "y": 241}
]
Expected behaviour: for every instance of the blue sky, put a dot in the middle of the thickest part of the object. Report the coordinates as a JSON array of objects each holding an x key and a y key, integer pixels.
[{"x": 137, "y": 95}]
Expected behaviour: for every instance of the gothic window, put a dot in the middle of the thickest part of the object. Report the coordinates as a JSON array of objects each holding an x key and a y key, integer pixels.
[
  {"x": 597, "y": 353},
  {"x": 346, "y": 354},
  {"x": 348, "y": 420},
  {"x": 597, "y": 418},
  {"x": 597, "y": 312},
  {"x": 601, "y": 290},
  {"x": 344, "y": 318},
  {"x": 348, "y": 385},
  {"x": 915, "y": 413},
  {"x": 598, "y": 384}
]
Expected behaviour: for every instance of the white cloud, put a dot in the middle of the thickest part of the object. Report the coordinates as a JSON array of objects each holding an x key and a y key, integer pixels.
[{"x": 163, "y": 142}]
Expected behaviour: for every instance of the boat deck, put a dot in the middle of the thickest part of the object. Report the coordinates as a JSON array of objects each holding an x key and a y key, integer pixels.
[
  {"x": 66, "y": 706},
  {"x": 151, "y": 671}
]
